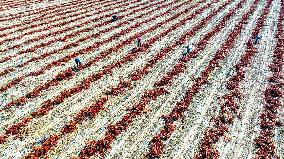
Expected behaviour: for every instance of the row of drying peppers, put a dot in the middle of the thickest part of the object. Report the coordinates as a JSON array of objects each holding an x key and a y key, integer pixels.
[
  {"x": 49, "y": 104},
  {"x": 272, "y": 95}
]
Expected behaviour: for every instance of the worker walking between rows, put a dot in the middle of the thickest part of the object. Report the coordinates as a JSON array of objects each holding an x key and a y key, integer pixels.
[
  {"x": 78, "y": 62},
  {"x": 139, "y": 41},
  {"x": 257, "y": 39}
]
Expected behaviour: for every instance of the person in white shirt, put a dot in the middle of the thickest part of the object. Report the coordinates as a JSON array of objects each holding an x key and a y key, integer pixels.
[{"x": 189, "y": 49}]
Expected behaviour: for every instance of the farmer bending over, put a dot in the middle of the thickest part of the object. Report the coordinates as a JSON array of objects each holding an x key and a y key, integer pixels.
[
  {"x": 78, "y": 62},
  {"x": 114, "y": 18},
  {"x": 188, "y": 50}
]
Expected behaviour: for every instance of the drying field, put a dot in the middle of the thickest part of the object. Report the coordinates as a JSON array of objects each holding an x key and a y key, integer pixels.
[{"x": 222, "y": 100}]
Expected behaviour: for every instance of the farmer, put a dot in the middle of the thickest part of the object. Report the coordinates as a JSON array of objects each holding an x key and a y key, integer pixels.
[
  {"x": 139, "y": 43},
  {"x": 188, "y": 50},
  {"x": 78, "y": 62},
  {"x": 257, "y": 39},
  {"x": 114, "y": 18}
]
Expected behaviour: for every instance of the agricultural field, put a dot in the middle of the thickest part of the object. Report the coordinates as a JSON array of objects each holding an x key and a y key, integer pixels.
[{"x": 221, "y": 99}]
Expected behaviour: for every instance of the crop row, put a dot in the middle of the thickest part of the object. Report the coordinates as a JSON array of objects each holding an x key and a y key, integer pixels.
[{"x": 273, "y": 93}]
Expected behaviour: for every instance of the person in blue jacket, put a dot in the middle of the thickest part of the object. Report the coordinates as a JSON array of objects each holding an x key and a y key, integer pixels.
[
  {"x": 78, "y": 62},
  {"x": 257, "y": 39}
]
